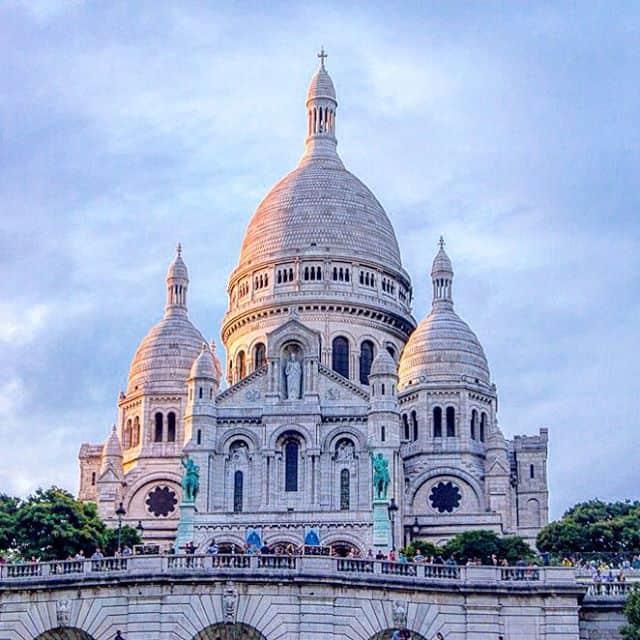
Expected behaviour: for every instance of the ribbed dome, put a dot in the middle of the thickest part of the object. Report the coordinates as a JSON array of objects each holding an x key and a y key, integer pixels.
[
  {"x": 320, "y": 206},
  {"x": 165, "y": 355},
  {"x": 383, "y": 364},
  {"x": 321, "y": 86},
  {"x": 442, "y": 348},
  {"x": 204, "y": 365}
]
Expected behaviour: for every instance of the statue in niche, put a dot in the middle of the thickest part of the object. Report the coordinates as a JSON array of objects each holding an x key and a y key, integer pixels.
[
  {"x": 345, "y": 452},
  {"x": 240, "y": 453},
  {"x": 293, "y": 375}
]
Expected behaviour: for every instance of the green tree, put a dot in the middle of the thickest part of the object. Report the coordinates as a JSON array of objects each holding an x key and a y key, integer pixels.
[
  {"x": 594, "y": 527},
  {"x": 128, "y": 537},
  {"x": 631, "y": 631},
  {"x": 8, "y": 509},
  {"x": 482, "y": 544},
  {"x": 51, "y": 524},
  {"x": 426, "y": 549}
]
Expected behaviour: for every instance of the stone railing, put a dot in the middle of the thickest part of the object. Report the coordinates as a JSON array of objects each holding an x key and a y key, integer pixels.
[
  {"x": 321, "y": 567},
  {"x": 609, "y": 589}
]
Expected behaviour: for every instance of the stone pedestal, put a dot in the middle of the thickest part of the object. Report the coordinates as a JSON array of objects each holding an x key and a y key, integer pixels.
[
  {"x": 381, "y": 524},
  {"x": 185, "y": 526}
]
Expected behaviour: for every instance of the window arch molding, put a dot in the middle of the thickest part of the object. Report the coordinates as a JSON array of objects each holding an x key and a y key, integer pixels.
[
  {"x": 331, "y": 440},
  {"x": 446, "y": 473},
  {"x": 240, "y": 434}
]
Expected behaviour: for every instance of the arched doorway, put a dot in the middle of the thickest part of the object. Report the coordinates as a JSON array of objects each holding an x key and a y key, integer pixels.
[
  {"x": 343, "y": 548},
  {"x": 64, "y": 633},
  {"x": 221, "y": 631},
  {"x": 387, "y": 634}
]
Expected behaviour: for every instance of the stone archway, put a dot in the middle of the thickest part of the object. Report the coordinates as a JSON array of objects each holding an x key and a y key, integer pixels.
[
  {"x": 222, "y": 631},
  {"x": 64, "y": 633},
  {"x": 387, "y": 634}
]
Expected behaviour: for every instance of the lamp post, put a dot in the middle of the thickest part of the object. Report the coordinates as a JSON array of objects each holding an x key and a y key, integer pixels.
[
  {"x": 120, "y": 512},
  {"x": 119, "y": 636},
  {"x": 415, "y": 529},
  {"x": 140, "y": 529},
  {"x": 392, "y": 508}
]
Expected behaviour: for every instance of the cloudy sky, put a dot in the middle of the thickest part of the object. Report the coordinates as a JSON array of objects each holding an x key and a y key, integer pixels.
[{"x": 511, "y": 128}]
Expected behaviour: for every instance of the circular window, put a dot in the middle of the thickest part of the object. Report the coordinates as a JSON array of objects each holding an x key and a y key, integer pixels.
[
  {"x": 445, "y": 497},
  {"x": 161, "y": 501}
]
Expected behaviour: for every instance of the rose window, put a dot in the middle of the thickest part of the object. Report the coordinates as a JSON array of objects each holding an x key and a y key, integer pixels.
[
  {"x": 445, "y": 497},
  {"x": 161, "y": 501}
]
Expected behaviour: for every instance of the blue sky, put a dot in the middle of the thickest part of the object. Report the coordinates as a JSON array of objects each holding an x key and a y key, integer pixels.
[{"x": 511, "y": 128}]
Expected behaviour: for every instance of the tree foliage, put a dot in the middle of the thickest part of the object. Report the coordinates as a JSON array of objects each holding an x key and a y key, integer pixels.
[
  {"x": 631, "y": 631},
  {"x": 479, "y": 544},
  {"x": 483, "y": 544},
  {"x": 594, "y": 527},
  {"x": 51, "y": 524}
]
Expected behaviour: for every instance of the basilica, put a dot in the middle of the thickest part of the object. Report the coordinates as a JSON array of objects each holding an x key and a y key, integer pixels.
[{"x": 325, "y": 370}]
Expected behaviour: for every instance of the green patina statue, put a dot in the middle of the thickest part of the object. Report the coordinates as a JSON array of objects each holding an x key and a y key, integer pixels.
[
  {"x": 381, "y": 477},
  {"x": 190, "y": 480}
]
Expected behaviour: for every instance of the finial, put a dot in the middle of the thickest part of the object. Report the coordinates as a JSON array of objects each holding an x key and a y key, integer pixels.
[
  {"x": 441, "y": 242},
  {"x": 179, "y": 249},
  {"x": 204, "y": 347},
  {"x": 113, "y": 428},
  {"x": 322, "y": 55}
]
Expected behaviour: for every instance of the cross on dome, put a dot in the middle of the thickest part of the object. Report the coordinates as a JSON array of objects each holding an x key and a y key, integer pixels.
[
  {"x": 441, "y": 242},
  {"x": 322, "y": 55}
]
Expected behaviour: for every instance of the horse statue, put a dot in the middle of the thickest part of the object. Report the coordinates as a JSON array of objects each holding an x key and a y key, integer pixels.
[
  {"x": 381, "y": 477},
  {"x": 190, "y": 480}
]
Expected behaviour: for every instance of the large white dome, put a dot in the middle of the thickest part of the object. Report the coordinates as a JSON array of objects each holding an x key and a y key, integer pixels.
[{"x": 320, "y": 208}]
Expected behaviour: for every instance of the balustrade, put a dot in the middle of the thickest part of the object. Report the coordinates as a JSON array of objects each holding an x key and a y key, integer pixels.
[
  {"x": 276, "y": 562},
  {"x": 609, "y": 589},
  {"x": 519, "y": 573},
  {"x": 439, "y": 571},
  {"x": 355, "y": 565}
]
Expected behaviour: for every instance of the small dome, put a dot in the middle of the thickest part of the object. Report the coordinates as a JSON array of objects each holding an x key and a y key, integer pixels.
[
  {"x": 441, "y": 263},
  {"x": 165, "y": 355},
  {"x": 442, "y": 349},
  {"x": 383, "y": 364},
  {"x": 204, "y": 365},
  {"x": 321, "y": 86},
  {"x": 178, "y": 269},
  {"x": 112, "y": 448}
]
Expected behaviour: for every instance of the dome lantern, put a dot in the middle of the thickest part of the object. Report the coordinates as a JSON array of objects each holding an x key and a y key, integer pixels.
[
  {"x": 177, "y": 284},
  {"x": 442, "y": 278},
  {"x": 321, "y": 115}
]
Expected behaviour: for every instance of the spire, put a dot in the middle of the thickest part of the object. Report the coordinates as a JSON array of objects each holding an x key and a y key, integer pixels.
[
  {"x": 321, "y": 115},
  {"x": 442, "y": 278},
  {"x": 177, "y": 284}
]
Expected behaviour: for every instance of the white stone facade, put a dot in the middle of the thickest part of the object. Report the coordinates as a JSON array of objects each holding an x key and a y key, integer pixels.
[{"x": 325, "y": 366}]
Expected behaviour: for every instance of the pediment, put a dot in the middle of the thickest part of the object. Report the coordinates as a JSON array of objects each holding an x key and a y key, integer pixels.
[
  {"x": 334, "y": 389},
  {"x": 498, "y": 467},
  {"x": 292, "y": 331},
  {"x": 248, "y": 392}
]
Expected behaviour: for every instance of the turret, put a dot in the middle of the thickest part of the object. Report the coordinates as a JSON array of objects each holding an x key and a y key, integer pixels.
[
  {"x": 111, "y": 475},
  {"x": 202, "y": 387}
]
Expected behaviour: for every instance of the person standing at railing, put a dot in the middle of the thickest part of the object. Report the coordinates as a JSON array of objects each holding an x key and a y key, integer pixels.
[{"x": 97, "y": 554}]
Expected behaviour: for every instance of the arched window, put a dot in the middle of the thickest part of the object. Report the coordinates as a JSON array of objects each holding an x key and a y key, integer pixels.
[
  {"x": 340, "y": 356},
  {"x": 136, "y": 431},
  {"x": 405, "y": 425},
  {"x": 366, "y": 358},
  {"x": 483, "y": 426},
  {"x": 93, "y": 479},
  {"x": 474, "y": 419},
  {"x": 414, "y": 424},
  {"x": 291, "y": 465},
  {"x": 128, "y": 435},
  {"x": 451, "y": 422},
  {"x": 437, "y": 422},
  {"x": 532, "y": 471},
  {"x": 157, "y": 436},
  {"x": 259, "y": 355},
  {"x": 171, "y": 427},
  {"x": 345, "y": 490},
  {"x": 238, "y": 482},
  {"x": 383, "y": 433},
  {"x": 241, "y": 365},
  {"x": 199, "y": 436},
  {"x": 391, "y": 351}
]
